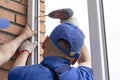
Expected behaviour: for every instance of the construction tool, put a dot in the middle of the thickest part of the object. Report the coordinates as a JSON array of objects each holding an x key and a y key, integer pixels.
[{"x": 61, "y": 14}]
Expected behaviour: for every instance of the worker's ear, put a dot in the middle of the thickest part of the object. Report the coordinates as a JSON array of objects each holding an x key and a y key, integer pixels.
[{"x": 45, "y": 42}]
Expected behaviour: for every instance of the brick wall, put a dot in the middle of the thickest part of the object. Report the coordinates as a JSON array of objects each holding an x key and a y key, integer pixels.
[
  {"x": 16, "y": 12},
  {"x": 42, "y": 25}
]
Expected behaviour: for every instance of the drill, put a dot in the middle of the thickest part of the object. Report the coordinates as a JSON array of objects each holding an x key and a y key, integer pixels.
[{"x": 61, "y": 14}]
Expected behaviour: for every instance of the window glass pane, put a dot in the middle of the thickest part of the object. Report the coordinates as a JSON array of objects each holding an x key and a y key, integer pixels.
[{"x": 112, "y": 24}]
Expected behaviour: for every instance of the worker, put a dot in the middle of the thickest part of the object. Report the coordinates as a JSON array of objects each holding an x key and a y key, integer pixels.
[{"x": 64, "y": 47}]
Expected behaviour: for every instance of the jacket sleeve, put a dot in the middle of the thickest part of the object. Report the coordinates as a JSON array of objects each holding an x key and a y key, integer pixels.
[
  {"x": 15, "y": 73},
  {"x": 80, "y": 73}
]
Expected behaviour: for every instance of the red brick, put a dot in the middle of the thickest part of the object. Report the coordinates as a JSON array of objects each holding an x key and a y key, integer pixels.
[
  {"x": 21, "y": 19},
  {"x": 25, "y": 2},
  {"x": 42, "y": 28},
  {"x": 13, "y": 6},
  {"x": 42, "y": 37},
  {"x": 41, "y": 51},
  {"x": 14, "y": 29},
  {"x": 42, "y": 18},
  {"x": 3, "y": 75},
  {"x": 42, "y": 7},
  {"x": 41, "y": 54},
  {"x": 42, "y": 1},
  {"x": 42, "y": 13},
  {"x": 6, "y": 14}
]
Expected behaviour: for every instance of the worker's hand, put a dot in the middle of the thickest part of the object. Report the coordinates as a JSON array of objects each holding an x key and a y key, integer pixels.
[
  {"x": 27, "y": 45},
  {"x": 72, "y": 20},
  {"x": 27, "y": 32}
]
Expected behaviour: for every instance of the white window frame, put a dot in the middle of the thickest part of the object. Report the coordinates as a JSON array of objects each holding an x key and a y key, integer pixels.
[
  {"x": 98, "y": 40},
  {"x": 34, "y": 23}
]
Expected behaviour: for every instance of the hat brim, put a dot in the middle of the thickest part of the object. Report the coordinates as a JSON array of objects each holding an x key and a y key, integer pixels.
[{"x": 4, "y": 23}]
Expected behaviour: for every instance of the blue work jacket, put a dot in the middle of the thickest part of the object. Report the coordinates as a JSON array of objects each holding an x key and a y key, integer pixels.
[{"x": 51, "y": 68}]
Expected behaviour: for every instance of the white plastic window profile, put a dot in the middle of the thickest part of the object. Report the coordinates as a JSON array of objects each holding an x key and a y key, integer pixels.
[
  {"x": 34, "y": 23},
  {"x": 98, "y": 40}
]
